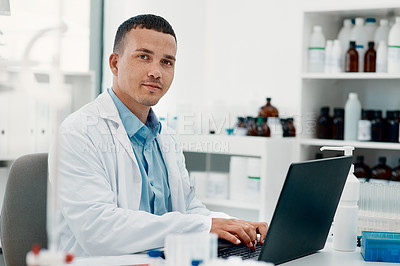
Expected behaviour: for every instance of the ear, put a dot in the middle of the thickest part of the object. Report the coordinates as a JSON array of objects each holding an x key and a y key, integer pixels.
[{"x": 113, "y": 62}]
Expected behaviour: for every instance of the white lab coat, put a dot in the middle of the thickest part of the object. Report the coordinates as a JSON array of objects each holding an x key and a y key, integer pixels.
[{"x": 100, "y": 187}]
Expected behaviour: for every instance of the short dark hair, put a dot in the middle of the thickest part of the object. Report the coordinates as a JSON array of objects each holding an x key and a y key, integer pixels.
[{"x": 146, "y": 21}]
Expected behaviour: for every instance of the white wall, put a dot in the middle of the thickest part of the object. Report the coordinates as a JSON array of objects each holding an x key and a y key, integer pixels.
[{"x": 232, "y": 53}]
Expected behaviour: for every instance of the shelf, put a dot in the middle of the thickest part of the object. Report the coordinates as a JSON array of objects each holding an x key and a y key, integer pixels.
[
  {"x": 356, "y": 144},
  {"x": 231, "y": 204},
  {"x": 232, "y": 145},
  {"x": 350, "y": 76}
]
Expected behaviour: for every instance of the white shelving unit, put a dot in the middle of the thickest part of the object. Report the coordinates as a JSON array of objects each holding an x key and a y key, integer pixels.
[
  {"x": 378, "y": 91},
  {"x": 20, "y": 110},
  {"x": 276, "y": 155}
]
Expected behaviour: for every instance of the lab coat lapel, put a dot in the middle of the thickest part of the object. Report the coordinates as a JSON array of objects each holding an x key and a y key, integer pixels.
[
  {"x": 168, "y": 151},
  {"x": 108, "y": 110}
]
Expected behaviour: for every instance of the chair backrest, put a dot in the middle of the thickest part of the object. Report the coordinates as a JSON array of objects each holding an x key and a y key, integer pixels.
[{"x": 23, "y": 216}]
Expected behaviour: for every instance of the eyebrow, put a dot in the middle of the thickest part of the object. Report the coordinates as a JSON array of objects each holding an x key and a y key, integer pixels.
[{"x": 152, "y": 53}]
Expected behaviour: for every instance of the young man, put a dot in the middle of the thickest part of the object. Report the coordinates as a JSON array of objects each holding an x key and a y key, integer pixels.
[{"x": 123, "y": 182}]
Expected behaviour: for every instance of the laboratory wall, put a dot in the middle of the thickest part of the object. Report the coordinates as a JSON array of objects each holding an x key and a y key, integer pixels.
[{"x": 231, "y": 54}]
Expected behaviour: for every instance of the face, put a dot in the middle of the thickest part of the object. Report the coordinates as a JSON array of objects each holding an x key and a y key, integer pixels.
[{"x": 144, "y": 70}]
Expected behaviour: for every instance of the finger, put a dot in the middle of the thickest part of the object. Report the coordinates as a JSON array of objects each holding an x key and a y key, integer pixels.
[
  {"x": 229, "y": 237},
  {"x": 262, "y": 229},
  {"x": 243, "y": 236}
]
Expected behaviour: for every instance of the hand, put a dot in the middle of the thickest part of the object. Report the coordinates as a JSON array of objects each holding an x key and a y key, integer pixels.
[{"x": 238, "y": 231}]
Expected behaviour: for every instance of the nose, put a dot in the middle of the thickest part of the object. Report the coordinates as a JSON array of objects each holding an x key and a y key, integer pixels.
[{"x": 154, "y": 71}]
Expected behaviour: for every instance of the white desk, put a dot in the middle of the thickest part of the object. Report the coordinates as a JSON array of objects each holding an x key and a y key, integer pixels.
[{"x": 325, "y": 257}]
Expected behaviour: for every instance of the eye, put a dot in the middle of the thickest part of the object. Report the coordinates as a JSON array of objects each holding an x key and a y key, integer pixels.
[
  {"x": 143, "y": 56},
  {"x": 167, "y": 62}
]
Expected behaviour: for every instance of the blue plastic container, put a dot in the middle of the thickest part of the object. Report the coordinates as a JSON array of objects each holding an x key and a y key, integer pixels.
[{"x": 380, "y": 246}]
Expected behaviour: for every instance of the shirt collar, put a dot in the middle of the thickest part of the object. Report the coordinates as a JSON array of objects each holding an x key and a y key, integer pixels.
[{"x": 131, "y": 123}]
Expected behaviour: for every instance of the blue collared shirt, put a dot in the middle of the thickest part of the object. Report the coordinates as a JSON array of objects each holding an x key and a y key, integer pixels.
[{"x": 155, "y": 188}]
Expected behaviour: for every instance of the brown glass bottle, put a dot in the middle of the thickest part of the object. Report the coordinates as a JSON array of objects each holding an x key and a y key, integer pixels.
[
  {"x": 351, "y": 59},
  {"x": 268, "y": 110},
  {"x": 370, "y": 58},
  {"x": 324, "y": 124},
  {"x": 361, "y": 170},
  {"x": 338, "y": 123},
  {"x": 241, "y": 127},
  {"x": 292, "y": 129},
  {"x": 392, "y": 126},
  {"x": 251, "y": 126},
  {"x": 381, "y": 171},
  {"x": 396, "y": 173},
  {"x": 263, "y": 128},
  {"x": 377, "y": 126}
]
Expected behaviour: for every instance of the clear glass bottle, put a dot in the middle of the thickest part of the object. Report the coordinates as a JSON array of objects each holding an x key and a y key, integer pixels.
[
  {"x": 268, "y": 110},
  {"x": 251, "y": 126},
  {"x": 262, "y": 128},
  {"x": 351, "y": 59},
  {"x": 370, "y": 58},
  {"x": 364, "y": 127},
  {"x": 324, "y": 124},
  {"x": 338, "y": 124},
  {"x": 381, "y": 172},
  {"x": 361, "y": 170},
  {"x": 241, "y": 127}
]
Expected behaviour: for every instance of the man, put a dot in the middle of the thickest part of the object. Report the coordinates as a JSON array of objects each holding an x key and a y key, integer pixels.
[{"x": 123, "y": 182}]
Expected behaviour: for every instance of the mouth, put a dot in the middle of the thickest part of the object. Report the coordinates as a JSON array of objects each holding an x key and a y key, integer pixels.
[{"x": 152, "y": 87}]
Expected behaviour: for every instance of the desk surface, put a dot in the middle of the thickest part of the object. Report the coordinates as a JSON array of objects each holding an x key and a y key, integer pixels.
[{"x": 325, "y": 257}]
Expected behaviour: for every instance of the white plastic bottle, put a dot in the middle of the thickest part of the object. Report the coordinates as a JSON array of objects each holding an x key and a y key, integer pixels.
[
  {"x": 394, "y": 48},
  {"x": 316, "y": 51},
  {"x": 337, "y": 58},
  {"x": 328, "y": 56},
  {"x": 352, "y": 114},
  {"x": 381, "y": 57},
  {"x": 370, "y": 28},
  {"x": 346, "y": 217},
  {"x": 344, "y": 37},
  {"x": 382, "y": 32},
  {"x": 359, "y": 35}
]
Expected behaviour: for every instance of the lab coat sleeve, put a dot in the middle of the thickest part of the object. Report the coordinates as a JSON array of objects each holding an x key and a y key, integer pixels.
[{"x": 89, "y": 206}]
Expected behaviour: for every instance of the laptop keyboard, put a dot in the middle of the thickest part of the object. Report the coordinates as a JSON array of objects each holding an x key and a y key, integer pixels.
[{"x": 240, "y": 251}]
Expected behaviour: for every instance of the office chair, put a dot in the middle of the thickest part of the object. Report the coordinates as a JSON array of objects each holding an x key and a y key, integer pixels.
[{"x": 23, "y": 217}]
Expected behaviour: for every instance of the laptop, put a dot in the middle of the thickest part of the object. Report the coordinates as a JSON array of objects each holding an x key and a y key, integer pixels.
[{"x": 304, "y": 211}]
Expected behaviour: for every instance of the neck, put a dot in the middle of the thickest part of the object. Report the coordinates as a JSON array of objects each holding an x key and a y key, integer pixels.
[{"x": 139, "y": 110}]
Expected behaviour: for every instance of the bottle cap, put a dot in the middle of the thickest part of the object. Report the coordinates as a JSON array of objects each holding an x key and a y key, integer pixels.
[
  {"x": 268, "y": 99},
  {"x": 241, "y": 119},
  {"x": 353, "y": 95},
  {"x": 317, "y": 28},
  {"x": 382, "y": 160},
  {"x": 324, "y": 109},
  {"x": 390, "y": 114},
  {"x": 352, "y": 43},
  {"x": 359, "y": 21},
  {"x": 196, "y": 262},
  {"x": 377, "y": 114},
  {"x": 384, "y": 22},
  {"x": 154, "y": 253},
  {"x": 370, "y": 20},
  {"x": 347, "y": 22},
  {"x": 371, "y": 44}
]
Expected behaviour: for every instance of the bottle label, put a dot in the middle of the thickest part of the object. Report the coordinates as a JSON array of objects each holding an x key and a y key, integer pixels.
[
  {"x": 364, "y": 130},
  {"x": 394, "y": 53},
  {"x": 316, "y": 59}
]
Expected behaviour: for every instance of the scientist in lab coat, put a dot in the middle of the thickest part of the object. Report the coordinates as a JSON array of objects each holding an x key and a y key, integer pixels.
[{"x": 123, "y": 182}]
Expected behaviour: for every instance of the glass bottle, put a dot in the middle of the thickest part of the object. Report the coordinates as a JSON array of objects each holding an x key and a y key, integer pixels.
[
  {"x": 377, "y": 127},
  {"x": 396, "y": 173},
  {"x": 251, "y": 126},
  {"x": 370, "y": 58},
  {"x": 338, "y": 123},
  {"x": 392, "y": 126},
  {"x": 364, "y": 127},
  {"x": 381, "y": 172},
  {"x": 241, "y": 127},
  {"x": 263, "y": 129},
  {"x": 361, "y": 170},
  {"x": 268, "y": 110},
  {"x": 324, "y": 124},
  {"x": 292, "y": 129},
  {"x": 285, "y": 127},
  {"x": 351, "y": 59}
]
